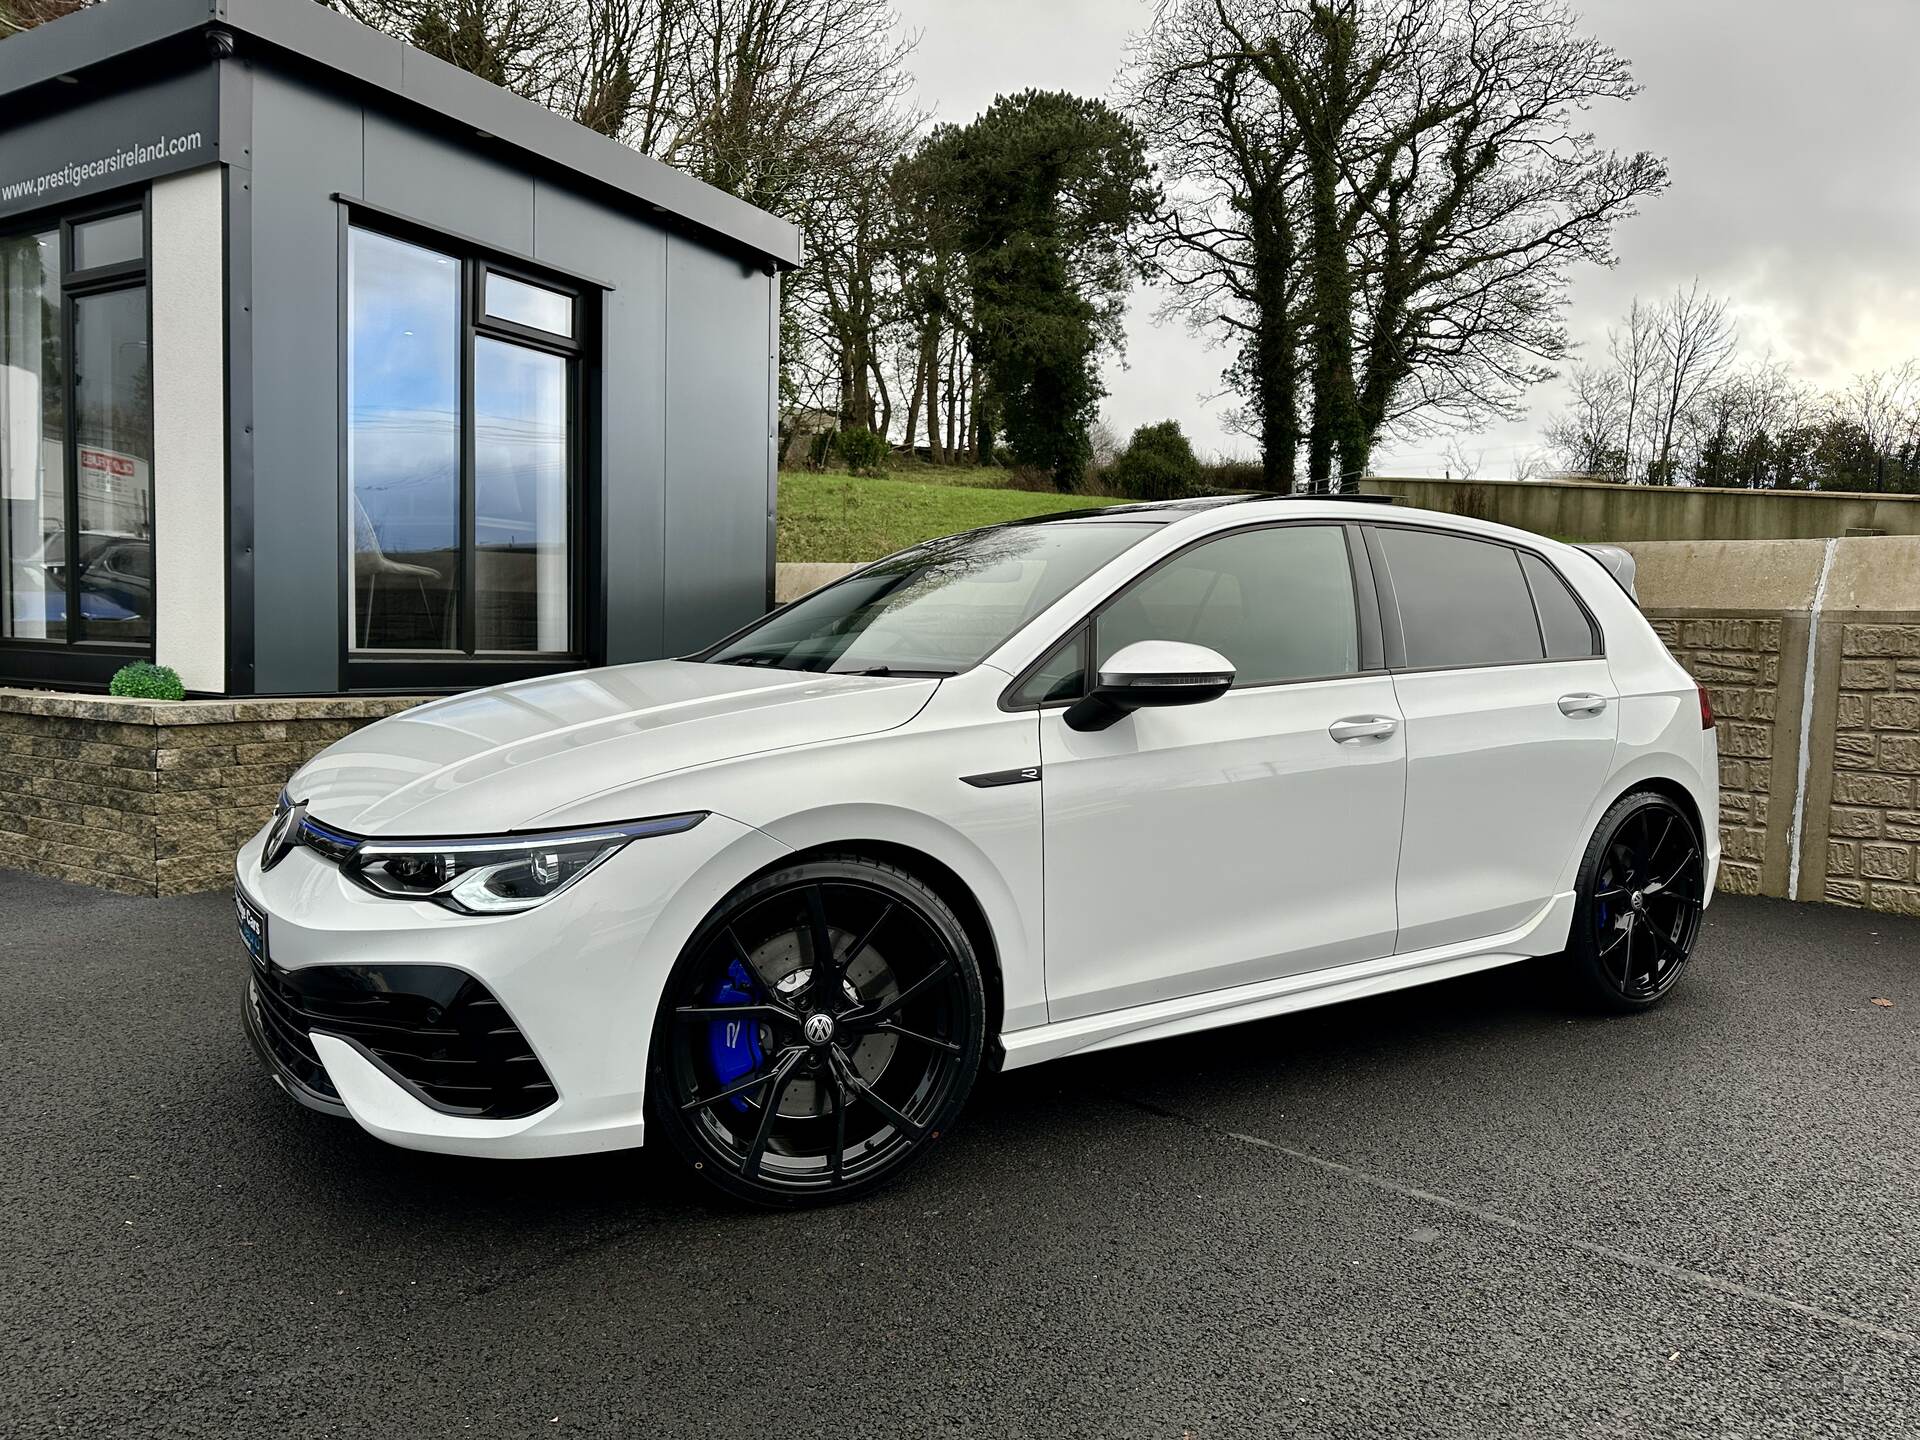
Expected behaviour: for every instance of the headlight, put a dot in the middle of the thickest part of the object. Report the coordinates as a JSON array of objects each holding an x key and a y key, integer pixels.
[{"x": 496, "y": 875}]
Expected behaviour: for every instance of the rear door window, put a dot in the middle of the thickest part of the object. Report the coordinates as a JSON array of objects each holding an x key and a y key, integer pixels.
[
  {"x": 1569, "y": 633},
  {"x": 1462, "y": 601}
]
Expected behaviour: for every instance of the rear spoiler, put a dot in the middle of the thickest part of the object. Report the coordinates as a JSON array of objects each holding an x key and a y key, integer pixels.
[{"x": 1616, "y": 562}]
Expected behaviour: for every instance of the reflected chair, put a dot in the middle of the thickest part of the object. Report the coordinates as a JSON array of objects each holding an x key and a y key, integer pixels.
[{"x": 366, "y": 544}]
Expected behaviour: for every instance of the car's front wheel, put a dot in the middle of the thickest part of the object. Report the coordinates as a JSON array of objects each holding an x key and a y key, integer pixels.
[
  {"x": 1642, "y": 888},
  {"x": 819, "y": 1033}
]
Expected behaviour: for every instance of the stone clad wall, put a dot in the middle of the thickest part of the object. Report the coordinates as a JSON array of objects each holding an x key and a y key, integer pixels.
[
  {"x": 1739, "y": 663},
  {"x": 1820, "y": 800},
  {"x": 1874, "y": 819},
  {"x": 147, "y": 797}
]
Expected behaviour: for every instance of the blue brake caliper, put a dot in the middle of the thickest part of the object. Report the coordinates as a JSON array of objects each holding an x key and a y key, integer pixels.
[{"x": 734, "y": 1045}]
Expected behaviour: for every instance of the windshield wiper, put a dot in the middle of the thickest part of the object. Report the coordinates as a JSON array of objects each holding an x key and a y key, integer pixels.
[{"x": 904, "y": 673}]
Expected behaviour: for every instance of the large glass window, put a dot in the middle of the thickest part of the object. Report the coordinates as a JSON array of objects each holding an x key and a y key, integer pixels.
[
  {"x": 1462, "y": 601},
  {"x": 1277, "y": 602},
  {"x": 33, "y": 437},
  {"x": 76, "y": 435},
  {"x": 460, "y": 460},
  {"x": 403, "y": 444},
  {"x": 520, "y": 497}
]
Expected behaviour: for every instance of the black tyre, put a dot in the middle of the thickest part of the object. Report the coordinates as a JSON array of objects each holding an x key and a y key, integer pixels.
[
  {"x": 1642, "y": 886},
  {"x": 786, "y": 1081}
]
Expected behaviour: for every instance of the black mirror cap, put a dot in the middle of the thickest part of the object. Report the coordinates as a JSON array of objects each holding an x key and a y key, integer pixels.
[{"x": 1115, "y": 696}]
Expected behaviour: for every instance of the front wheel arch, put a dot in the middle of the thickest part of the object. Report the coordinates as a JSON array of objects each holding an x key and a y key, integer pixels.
[{"x": 947, "y": 883}]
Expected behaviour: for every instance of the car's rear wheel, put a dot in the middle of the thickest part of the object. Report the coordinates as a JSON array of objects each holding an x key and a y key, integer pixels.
[
  {"x": 1642, "y": 888},
  {"x": 819, "y": 1033}
]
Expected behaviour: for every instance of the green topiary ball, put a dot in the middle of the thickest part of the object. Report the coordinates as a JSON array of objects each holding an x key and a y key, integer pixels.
[
  {"x": 141, "y": 681},
  {"x": 1158, "y": 464}
]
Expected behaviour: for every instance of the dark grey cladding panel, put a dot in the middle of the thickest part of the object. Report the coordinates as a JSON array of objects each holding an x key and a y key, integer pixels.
[
  {"x": 299, "y": 31},
  {"x": 447, "y": 186},
  {"x": 101, "y": 32},
  {"x": 718, "y": 450},
  {"x": 104, "y": 142},
  {"x": 628, "y": 393},
  {"x": 307, "y": 147}
]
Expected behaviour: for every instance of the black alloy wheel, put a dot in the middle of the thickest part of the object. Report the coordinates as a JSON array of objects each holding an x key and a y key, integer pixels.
[
  {"x": 819, "y": 1033},
  {"x": 1642, "y": 888}
]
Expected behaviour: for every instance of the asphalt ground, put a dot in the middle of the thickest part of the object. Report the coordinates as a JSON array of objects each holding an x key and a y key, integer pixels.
[{"x": 1457, "y": 1211}]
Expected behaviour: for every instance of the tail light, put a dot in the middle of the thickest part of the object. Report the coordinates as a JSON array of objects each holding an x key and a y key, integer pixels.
[{"x": 1706, "y": 708}]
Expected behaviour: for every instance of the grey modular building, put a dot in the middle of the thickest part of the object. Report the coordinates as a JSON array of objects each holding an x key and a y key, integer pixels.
[{"x": 326, "y": 366}]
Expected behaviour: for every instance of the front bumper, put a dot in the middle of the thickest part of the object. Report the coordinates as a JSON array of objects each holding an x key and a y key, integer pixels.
[{"x": 577, "y": 982}]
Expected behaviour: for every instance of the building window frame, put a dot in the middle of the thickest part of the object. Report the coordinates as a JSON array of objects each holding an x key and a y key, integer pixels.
[
  {"x": 84, "y": 664},
  {"x": 466, "y": 665}
]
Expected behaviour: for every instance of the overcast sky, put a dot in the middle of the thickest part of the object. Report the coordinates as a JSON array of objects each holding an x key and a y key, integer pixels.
[{"x": 1790, "y": 127}]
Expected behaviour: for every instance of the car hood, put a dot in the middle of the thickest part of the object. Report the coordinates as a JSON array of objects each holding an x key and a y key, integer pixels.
[{"x": 495, "y": 760}]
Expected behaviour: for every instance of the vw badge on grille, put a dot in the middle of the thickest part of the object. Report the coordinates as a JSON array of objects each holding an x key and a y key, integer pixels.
[{"x": 284, "y": 835}]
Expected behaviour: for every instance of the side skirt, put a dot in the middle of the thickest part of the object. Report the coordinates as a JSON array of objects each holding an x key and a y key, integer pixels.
[{"x": 1163, "y": 1019}]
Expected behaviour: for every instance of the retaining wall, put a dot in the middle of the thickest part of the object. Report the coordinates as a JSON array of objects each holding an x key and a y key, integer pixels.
[
  {"x": 1811, "y": 651},
  {"x": 150, "y": 797},
  {"x": 1584, "y": 510}
]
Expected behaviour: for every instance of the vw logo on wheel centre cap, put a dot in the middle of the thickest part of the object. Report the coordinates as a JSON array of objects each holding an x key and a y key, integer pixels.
[{"x": 818, "y": 1029}]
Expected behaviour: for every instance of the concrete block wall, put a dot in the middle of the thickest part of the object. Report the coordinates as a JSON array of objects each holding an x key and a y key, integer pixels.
[
  {"x": 1873, "y": 819},
  {"x": 147, "y": 797},
  {"x": 1739, "y": 663},
  {"x": 1821, "y": 788}
]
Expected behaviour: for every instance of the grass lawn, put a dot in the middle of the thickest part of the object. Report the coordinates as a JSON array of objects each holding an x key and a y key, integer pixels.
[{"x": 846, "y": 517}]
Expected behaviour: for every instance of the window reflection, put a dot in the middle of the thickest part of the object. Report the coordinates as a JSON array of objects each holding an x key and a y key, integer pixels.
[
  {"x": 403, "y": 444},
  {"x": 520, "y": 498},
  {"x": 113, "y": 457},
  {"x": 33, "y": 604},
  {"x": 534, "y": 306}
]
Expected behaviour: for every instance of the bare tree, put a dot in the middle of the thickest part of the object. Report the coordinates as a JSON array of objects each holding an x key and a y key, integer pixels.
[
  {"x": 1436, "y": 180},
  {"x": 1635, "y": 351},
  {"x": 1462, "y": 463},
  {"x": 1227, "y": 238},
  {"x": 1589, "y": 437},
  {"x": 1695, "y": 340},
  {"x": 1884, "y": 407}
]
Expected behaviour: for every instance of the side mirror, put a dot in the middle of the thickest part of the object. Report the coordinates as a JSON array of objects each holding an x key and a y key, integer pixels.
[{"x": 1151, "y": 672}]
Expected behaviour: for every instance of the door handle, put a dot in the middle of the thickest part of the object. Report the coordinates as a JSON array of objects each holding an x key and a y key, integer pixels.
[
  {"x": 1362, "y": 727},
  {"x": 1582, "y": 704}
]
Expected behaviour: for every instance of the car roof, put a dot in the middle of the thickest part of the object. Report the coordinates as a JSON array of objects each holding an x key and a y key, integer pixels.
[{"x": 1163, "y": 512}]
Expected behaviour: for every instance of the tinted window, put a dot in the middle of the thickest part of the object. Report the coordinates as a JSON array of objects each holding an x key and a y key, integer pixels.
[
  {"x": 1060, "y": 677},
  {"x": 1569, "y": 633},
  {"x": 1278, "y": 603},
  {"x": 1462, "y": 602}
]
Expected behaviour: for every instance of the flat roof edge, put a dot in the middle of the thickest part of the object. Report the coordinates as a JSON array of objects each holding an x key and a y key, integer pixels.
[{"x": 317, "y": 36}]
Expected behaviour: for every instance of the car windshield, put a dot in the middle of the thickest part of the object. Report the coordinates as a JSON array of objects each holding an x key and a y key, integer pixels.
[{"x": 936, "y": 609}]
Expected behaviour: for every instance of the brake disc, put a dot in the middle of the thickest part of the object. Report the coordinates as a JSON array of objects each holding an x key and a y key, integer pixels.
[{"x": 869, "y": 981}]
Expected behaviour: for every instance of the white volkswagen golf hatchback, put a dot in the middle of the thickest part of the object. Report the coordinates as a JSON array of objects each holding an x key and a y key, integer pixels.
[{"x": 1032, "y": 791}]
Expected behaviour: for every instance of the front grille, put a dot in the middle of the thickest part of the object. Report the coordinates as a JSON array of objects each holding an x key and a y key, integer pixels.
[{"x": 436, "y": 1030}]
